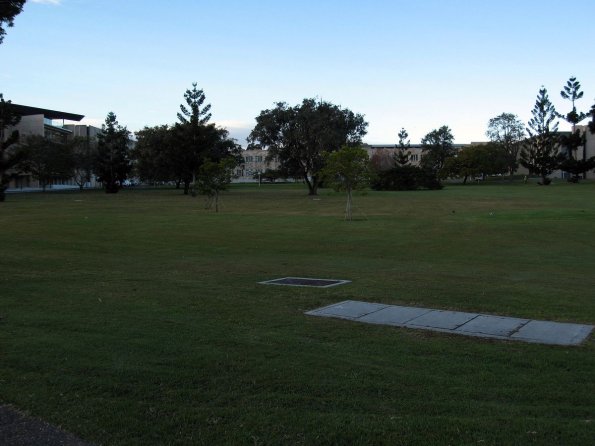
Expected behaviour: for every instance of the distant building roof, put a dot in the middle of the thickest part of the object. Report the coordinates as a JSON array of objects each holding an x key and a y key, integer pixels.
[{"x": 25, "y": 110}]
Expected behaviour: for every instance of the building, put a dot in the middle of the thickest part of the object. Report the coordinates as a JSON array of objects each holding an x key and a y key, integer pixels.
[
  {"x": 50, "y": 124},
  {"x": 254, "y": 162},
  {"x": 382, "y": 155}
]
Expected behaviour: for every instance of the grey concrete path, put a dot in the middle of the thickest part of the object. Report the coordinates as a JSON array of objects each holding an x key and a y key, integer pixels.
[{"x": 470, "y": 324}]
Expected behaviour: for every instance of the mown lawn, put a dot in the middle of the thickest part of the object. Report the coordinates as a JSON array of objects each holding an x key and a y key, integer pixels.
[{"x": 137, "y": 318}]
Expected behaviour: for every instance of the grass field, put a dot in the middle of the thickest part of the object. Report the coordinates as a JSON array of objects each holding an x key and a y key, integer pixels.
[{"x": 137, "y": 319}]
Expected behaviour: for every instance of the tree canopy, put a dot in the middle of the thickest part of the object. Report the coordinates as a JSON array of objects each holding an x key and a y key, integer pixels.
[
  {"x": 437, "y": 147},
  {"x": 10, "y": 154},
  {"x": 9, "y": 9},
  {"x": 113, "y": 162},
  {"x": 508, "y": 132},
  {"x": 299, "y": 136},
  {"x": 475, "y": 160},
  {"x": 347, "y": 169},
  {"x": 540, "y": 152}
]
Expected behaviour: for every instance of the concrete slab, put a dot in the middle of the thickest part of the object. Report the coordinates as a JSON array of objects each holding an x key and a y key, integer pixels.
[
  {"x": 349, "y": 309},
  {"x": 558, "y": 333},
  {"x": 492, "y": 325},
  {"x": 394, "y": 315},
  {"x": 305, "y": 282},
  {"x": 442, "y": 319},
  {"x": 456, "y": 322}
]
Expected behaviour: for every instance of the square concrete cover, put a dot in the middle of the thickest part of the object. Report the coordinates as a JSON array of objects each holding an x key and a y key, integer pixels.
[
  {"x": 394, "y": 315},
  {"x": 448, "y": 320},
  {"x": 492, "y": 325},
  {"x": 559, "y": 333},
  {"x": 348, "y": 309}
]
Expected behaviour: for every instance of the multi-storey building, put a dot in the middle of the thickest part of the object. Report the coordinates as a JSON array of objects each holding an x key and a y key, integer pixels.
[
  {"x": 50, "y": 124},
  {"x": 254, "y": 162}
]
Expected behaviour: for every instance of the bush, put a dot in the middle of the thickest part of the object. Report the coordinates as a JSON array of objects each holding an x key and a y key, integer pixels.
[{"x": 406, "y": 178}]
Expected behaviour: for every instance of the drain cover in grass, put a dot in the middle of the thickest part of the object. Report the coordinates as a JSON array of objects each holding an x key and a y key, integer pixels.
[{"x": 303, "y": 281}]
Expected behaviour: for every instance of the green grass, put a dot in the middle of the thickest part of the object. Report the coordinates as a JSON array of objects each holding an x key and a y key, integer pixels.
[{"x": 137, "y": 318}]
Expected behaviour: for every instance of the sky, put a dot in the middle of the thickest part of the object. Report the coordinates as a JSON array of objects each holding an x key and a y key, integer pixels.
[{"x": 417, "y": 64}]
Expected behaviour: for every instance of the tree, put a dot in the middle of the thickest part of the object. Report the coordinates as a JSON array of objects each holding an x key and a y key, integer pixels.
[
  {"x": 11, "y": 154},
  {"x": 403, "y": 154},
  {"x": 84, "y": 156},
  {"x": 299, "y": 136},
  {"x": 572, "y": 92},
  {"x": 573, "y": 164},
  {"x": 540, "y": 152},
  {"x": 154, "y": 154},
  {"x": 475, "y": 160},
  {"x": 47, "y": 160},
  {"x": 347, "y": 169},
  {"x": 192, "y": 136},
  {"x": 214, "y": 177},
  {"x": 9, "y": 9},
  {"x": 195, "y": 114},
  {"x": 437, "y": 146},
  {"x": 508, "y": 132},
  {"x": 113, "y": 163}
]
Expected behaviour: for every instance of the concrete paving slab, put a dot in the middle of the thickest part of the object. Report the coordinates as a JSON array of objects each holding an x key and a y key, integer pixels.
[
  {"x": 456, "y": 322},
  {"x": 349, "y": 309},
  {"x": 442, "y": 319},
  {"x": 558, "y": 333},
  {"x": 492, "y": 325},
  {"x": 394, "y": 315}
]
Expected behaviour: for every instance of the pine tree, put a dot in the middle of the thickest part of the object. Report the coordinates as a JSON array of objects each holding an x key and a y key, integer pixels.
[
  {"x": 540, "y": 153},
  {"x": 403, "y": 155},
  {"x": 574, "y": 163},
  {"x": 113, "y": 163},
  {"x": 190, "y": 134}
]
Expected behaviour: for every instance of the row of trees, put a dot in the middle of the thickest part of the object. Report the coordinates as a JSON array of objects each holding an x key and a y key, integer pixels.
[
  {"x": 194, "y": 152},
  {"x": 47, "y": 159},
  {"x": 180, "y": 151},
  {"x": 191, "y": 152}
]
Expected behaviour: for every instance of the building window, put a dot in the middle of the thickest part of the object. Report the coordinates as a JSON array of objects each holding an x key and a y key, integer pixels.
[
  {"x": 258, "y": 159},
  {"x": 248, "y": 159}
]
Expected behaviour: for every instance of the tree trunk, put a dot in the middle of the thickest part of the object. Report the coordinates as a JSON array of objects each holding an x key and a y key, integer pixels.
[
  {"x": 186, "y": 186},
  {"x": 465, "y": 179},
  {"x": 217, "y": 201},
  {"x": 348, "y": 214}
]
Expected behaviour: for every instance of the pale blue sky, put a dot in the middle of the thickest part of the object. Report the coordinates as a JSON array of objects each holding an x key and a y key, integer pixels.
[{"x": 414, "y": 64}]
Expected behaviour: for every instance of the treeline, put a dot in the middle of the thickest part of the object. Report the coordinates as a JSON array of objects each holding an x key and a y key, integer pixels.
[{"x": 192, "y": 152}]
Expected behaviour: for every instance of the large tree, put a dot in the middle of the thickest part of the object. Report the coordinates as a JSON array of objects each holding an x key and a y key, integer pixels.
[
  {"x": 9, "y": 9},
  {"x": 47, "y": 160},
  {"x": 193, "y": 136},
  {"x": 540, "y": 151},
  {"x": 154, "y": 154},
  {"x": 437, "y": 146},
  {"x": 347, "y": 169},
  {"x": 508, "y": 132},
  {"x": 10, "y": 153},
  {"x": 474, "y": 161},
  {"x": 84, "y": 156},
  {"x": 299, "y": 136},
  {"x": 575, "y": 163},
  {"x": 113, "y": 161}
]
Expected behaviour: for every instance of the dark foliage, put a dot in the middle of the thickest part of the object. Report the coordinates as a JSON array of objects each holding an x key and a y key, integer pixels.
[
  {"x": 299, "y": 136},
  {"x": 406, "y": 178},
  {"x": 113, "y": 163},
  {"x": 9, "y": 9},
  {"x": 10, "y": 153}
]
